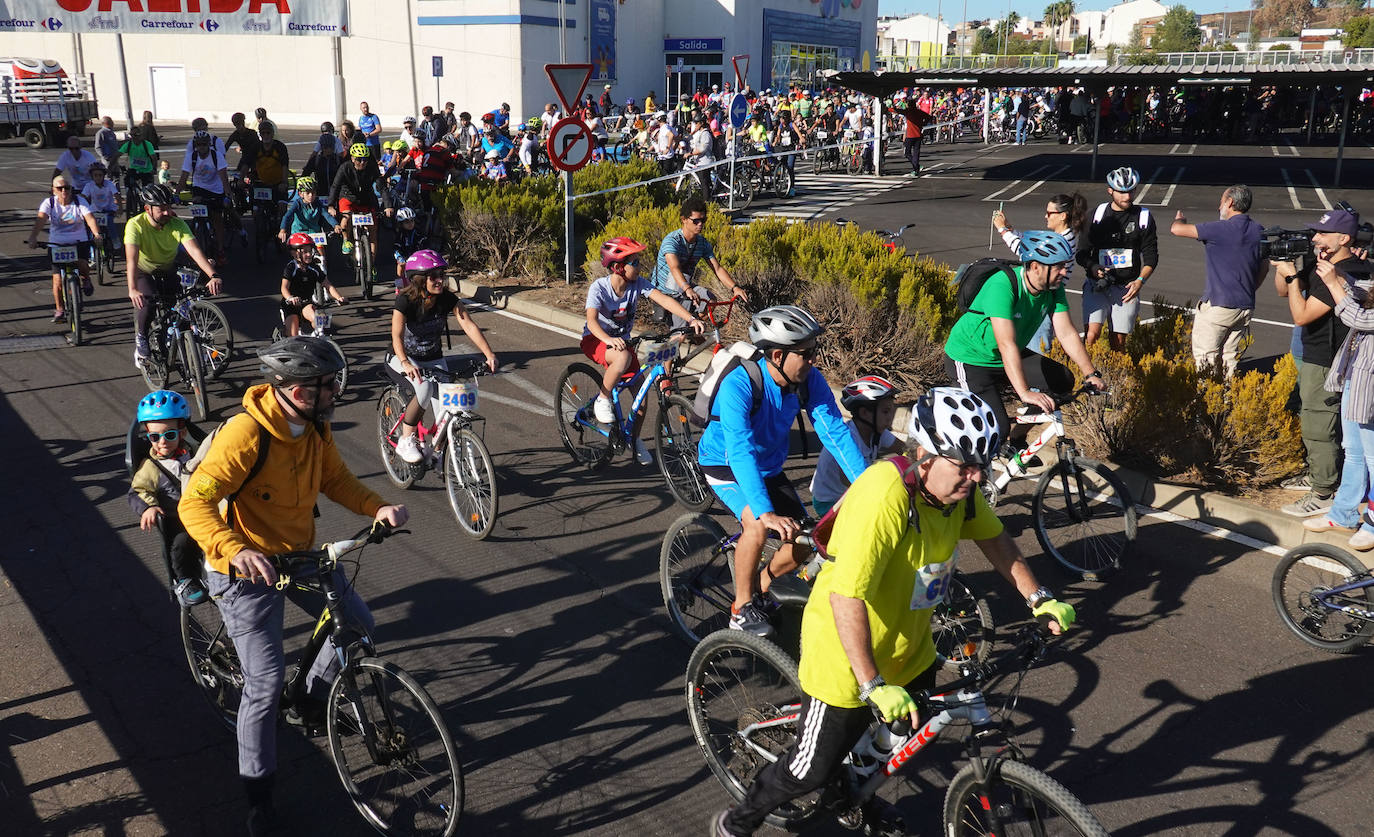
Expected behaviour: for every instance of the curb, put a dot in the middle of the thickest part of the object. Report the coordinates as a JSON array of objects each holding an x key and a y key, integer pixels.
[{"x": 1210, "y": 507}]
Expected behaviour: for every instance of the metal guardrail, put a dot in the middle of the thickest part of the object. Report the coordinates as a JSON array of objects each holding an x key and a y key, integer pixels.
[
  {"x": 904, "y": 63},
  {"x": 1270, "y": 58}
]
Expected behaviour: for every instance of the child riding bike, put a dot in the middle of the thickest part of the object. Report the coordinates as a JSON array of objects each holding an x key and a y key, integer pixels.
[
  {"x": 306, "y": 213},
  {"x": 872, "y": 401},
  {"x": 611, "y": 303},
  {"x": 417, "y": 327},
  {"x": 408, "y": 241},
  {"x": 299, "y": 280}
]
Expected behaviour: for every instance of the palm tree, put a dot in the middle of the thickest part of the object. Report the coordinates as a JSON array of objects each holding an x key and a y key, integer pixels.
[{"x": 1056, "y": 15}]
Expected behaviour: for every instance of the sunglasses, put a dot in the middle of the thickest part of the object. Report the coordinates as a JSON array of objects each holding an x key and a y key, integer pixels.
[
  {"x": 164, "y": 436},
  {"x": 631, "y": 263},
  {"x": 65, "y": 188},
  {"x": 1050, "y": 212},
  {"x": 697, "y": 221},
  {"x": 807, "y": 354}
]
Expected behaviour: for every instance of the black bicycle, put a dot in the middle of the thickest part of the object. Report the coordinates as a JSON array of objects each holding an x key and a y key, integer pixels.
[
  {"x": 188, "y": 334},
  {"x": 393, "y": 752}
]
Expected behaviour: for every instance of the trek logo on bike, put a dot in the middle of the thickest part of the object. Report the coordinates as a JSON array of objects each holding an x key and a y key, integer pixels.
[
  {"x": 459, "y": 395},
  {"x": 932, "y": 583}
]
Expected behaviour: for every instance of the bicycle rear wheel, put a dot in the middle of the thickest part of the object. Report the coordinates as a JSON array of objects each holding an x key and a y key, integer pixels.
[
  {"x": 743, "y": 699},
  {"x": 471, "y": 482},
  {"x": 390, "y": 407},
  {"x": 696, "y": 576},
  {"x": 215, "y": 337},
  {"x": 961, "y": 625},
  {"x": 1310, "y": 570},
  {"x": 675, "y": 448},
  {"x": 194, "y": 371},
  {"x": 214, "y": 662},
  {"x": 1084, "y": 517},
  {"x": 393, "y": 752},
  {"x": 1018, "y": 800},
  {"x": 588, "y": 440}
]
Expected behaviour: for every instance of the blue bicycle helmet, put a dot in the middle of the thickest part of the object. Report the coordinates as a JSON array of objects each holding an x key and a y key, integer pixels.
[
  {"x": 163, "y": 405},
  {"x": 1045, "y": 247}
]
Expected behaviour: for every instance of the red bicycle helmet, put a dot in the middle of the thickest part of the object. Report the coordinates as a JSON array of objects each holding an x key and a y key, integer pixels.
[
  {"x": 870, "y": 389},
  {"x": 619, "y": 249},
  {"x": 299, "y": 239}
]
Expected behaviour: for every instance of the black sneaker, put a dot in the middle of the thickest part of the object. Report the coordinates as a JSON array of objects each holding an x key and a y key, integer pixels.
[
  {"x": 766, "y": 604},
  {"x": 751, "y": 619},
  {"x": 308, "y": 714}
]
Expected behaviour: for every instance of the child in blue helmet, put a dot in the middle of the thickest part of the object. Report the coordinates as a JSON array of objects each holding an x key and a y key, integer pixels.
[{"x": 156, "y": 488}]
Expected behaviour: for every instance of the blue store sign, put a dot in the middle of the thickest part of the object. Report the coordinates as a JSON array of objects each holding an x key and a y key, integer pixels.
[
  {"x": 693, "y": 44},
  {"x": 602, "y": 44}
]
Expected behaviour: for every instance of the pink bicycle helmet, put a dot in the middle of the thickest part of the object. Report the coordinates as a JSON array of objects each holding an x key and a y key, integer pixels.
[
  {"x": 870, "y": 389},
  {"x": 424, "y": 261}
]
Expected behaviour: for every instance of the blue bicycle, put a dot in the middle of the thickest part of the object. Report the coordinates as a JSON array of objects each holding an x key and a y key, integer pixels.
[{"x": 1325, "y": 596}]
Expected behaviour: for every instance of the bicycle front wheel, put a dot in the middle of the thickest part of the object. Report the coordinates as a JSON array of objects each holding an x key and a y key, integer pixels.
[
  {"x": 363, "y": 252},
  {"x": 194, "y": 370},
  {"x": 213, "y": 334},
  {"x": 1017, "y": 800},
  {"x": 74, "y": 300},
  {"x": 588, "y": 440},
  {"x": 340, "y": 377},
  {"x": 961, "y": 625},
  {"x": 675, "y": 448},
  {"x": 744, "y": 699},
  {"x": 1084, "y": 517},
  {"x": 696, "y": 576},
  {"x": 471, "y": 482},
  {"x": 214, "y": 662},
  {"x": 1302, "y": 581},
  {"x": 156, "y": 367},
  {"x": 393, "y": 752}
]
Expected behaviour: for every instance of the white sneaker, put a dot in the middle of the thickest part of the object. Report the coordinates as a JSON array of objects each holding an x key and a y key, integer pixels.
[
  {"x": 603, "y": 410},
  {"x": 409, "y": 449},
  {"x": 642, "y": 453}
]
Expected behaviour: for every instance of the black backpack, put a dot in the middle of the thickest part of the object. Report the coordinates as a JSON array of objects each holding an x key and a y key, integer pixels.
[{"x": 971, "y": 277}]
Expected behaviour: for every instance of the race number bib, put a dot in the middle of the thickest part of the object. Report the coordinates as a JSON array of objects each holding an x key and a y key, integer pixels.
[
  {"x": 199, "y": 211},
  {"x": 262, "y": 194},
  {"x": 363, "y": 218},
  {"x": 786, "y": 140},
  {"x": 932, "y": 584},
  {"x": 183, "y": 309},
  {"x": 322, "y": 321},
  {"x": 656, "y": 353},
  {"x": 822, "y": 134},
  {"x": 1116, "y": 258},
  {"x": 64, "y": 255},
  {"x": 320, "y": 239},
  {"x": 459, "y": 395},
  {"x": 188, "y": 277}
]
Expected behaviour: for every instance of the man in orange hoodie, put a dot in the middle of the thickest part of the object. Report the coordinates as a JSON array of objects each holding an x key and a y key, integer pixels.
[{"x": 270, "y": 510}]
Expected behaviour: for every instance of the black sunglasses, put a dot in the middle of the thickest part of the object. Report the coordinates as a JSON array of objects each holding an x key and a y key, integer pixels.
[
  {"x": 807, "y": 354},
  {"x": 697, "y": 221}
]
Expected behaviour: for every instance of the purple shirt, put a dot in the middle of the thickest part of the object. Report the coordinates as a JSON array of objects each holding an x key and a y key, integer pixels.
[{"x": 1233, "y": 261}]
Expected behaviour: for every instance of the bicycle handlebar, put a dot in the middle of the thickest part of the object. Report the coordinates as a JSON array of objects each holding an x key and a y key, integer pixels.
[
  {"x": 474, "y": 369},
  {"x": 1060, "y": 399},
  {"x": 1031, "y": 644},
  {"x": 327, "y": 556}
]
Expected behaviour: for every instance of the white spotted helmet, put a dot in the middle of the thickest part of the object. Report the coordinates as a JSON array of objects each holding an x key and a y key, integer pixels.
[
  {"x": 782, "y": 327},
  {"x": 1124, "y": 179},
  {"x": 957, "y": 424}
]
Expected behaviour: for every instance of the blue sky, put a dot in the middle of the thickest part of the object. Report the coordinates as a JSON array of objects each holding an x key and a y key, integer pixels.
[{"x": 953, "y": 10}]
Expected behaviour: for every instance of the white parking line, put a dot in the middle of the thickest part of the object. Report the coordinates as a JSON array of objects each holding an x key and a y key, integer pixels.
[
  {"x": 1275, "y": 150},
  {"x": 1192, "y": 148},
  {"x": 1292, "y": 193},
  {"x": 1326, "y": 204},
  {"x": 1037, "y": 185},
  {"x": 1169, "y": 194},
  {"x": 1015, "y": 183},
  {"x": 1150, "y": 181}
]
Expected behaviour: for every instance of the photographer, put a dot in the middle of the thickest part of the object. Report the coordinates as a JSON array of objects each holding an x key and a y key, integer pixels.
[
  {"x": 1310, "y": 302},
  {"x": 1234, "y": 271}
]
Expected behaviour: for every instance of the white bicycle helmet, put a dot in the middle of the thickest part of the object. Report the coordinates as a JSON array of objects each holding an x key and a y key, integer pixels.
[
  {"x": 957, "y": 424},
  {"x": 1124, "y": 179},
  {"x": 1045, "y": 247},
  {"x": 782, "y": 327},
  {"x": 405, "y": 213},
  {"x": 870, "y": 389}
]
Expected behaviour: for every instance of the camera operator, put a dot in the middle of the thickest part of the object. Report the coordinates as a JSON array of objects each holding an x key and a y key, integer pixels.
[
  {"x": 1234, "y": 272},
  {"x": 1311, "y": 304}
]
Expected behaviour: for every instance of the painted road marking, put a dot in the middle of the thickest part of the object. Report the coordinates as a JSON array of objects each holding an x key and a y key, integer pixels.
[
  {"x": 1275, "y": 150},
  {"x": 1150, "y": 181},
  {"x": 1014, "y": 183},
  {"x": 1292, "y": 193},
  {"x": 1321, "y": 196},
  {"x": 1169, "y": 193},
  {"x": 1038, "y": 184},
  {"x": 1192, "y": 148}
]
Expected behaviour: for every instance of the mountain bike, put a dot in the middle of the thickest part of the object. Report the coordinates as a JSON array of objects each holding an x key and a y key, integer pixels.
[
  {"x": 1084, "y": 515},
  {"x": 450, "y": 443},
  {"x": 825, "y": 156},
  {"x": 390, "y": 746},
  {"x": 189, "y": 334},
  {"x": 744, "y": 701},
  {"x": 1325, "y": 596},
  {"x": 103, "y": 257},
  {"x": 64, "y": 259},
  {"x": 266, "y": 222},
  {"x": 363, "y": 268},
  {"x": 891, "y": 239},
  {"x": 323, "y": 328},
  {"x": 696, "y": 567}
]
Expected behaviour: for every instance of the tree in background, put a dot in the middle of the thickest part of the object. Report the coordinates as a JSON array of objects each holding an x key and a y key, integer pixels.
[
  {"x": 1344, "y": 9},
  {"x": 1058, "y": 14},
  {"x": 1080, "y": 44},
  {"x": 984, "y": 42},
  {"x": 1359, "y": 32},
  {"x": 1003, "y": 30},
  {"x": 1283, "y": 16},
  {"x": 1177, "y": 32}
]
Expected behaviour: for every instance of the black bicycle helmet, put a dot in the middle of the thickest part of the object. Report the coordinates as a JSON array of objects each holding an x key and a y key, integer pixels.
[
  {"x": 157, "y": 194},
  {"x": 326, "y": 127},
  {"x": 295, "y": 359}
]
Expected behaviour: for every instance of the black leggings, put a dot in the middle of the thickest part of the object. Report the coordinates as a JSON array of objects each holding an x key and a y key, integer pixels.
[
  {"x": 152, "y": 287},
  {"x": 1042, "y": 374}
]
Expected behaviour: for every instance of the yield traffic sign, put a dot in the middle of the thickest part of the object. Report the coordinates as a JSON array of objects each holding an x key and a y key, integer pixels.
[
  {"x": 570, "y": 144},
  {"x": 568, "y": 78},
  {"x": 739, "y": 110}
]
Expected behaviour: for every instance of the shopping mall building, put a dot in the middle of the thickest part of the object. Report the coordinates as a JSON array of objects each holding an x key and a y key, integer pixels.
[{"x": 491, "y": 51}]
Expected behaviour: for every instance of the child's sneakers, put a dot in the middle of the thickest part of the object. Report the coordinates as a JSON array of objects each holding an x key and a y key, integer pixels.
[
  {"x": 190, "y": 591},
  {"x": 346, "y": 246}
]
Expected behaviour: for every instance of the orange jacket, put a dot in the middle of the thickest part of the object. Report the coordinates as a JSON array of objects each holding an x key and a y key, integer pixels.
[{"x": 274, "y": 512}]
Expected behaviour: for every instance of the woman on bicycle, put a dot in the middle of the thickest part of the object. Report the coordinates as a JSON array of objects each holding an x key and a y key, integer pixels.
[
  {"x": 611, "y": 303},
  {"x": 299, "y": 280},
  {"x": 68, "y": 220},
  {"x": 417, "y": 327}
]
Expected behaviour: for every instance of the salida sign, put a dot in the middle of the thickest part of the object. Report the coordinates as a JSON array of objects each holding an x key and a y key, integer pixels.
[{"x": 270, "y": 17}]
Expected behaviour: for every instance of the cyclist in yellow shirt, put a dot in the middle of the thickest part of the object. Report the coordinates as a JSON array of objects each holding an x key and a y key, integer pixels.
[{"x": 866, "y": 640}]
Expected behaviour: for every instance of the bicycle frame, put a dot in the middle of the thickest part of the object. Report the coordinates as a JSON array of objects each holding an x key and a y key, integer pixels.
[
  {"x": 1015, "y": 468},
  {"x": 1325, "y": 598},
  {"x": 436, "y": 433}
]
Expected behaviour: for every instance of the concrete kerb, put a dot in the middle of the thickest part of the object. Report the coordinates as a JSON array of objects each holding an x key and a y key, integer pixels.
[{"x": 1232, "y": 514}]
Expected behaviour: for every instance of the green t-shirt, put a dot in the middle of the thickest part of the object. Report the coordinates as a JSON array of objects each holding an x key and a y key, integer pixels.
[
  {"x": 898, "y": 570},
  {"x": 972, "y": 341},
  {"x": 804, "y": 107},
  {"x": 141, "y": 155},
  {"x": 157, "y": 248}
]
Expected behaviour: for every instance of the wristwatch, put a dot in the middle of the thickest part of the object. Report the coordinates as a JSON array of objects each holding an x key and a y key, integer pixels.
[
  {"x": 866, "y": 689},
  {"x": 1092, "y": 374},
  {"x": 1039, "y": 597}
]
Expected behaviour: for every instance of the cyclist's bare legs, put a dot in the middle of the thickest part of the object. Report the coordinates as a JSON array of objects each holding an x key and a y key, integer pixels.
[
  {"x": 617, "y": 364},
  {"x": 748, "y": 552}
]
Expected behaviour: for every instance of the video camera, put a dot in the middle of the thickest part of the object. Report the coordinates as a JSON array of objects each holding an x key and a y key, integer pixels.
[{"x": 1283, "y": 245}]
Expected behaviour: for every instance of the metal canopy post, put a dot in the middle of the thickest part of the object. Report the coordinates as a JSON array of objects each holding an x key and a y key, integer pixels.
[
  {"x": 1346, "y": 90},
  {"x": 124, "y": 81},
  {"x": 1097, "y": 127},
  {"x": 1311, "y": 114}
]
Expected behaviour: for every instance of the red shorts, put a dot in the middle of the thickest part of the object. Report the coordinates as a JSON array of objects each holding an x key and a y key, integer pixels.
[
  {"x": 346, "y": 205},
  {"x": 596, "y": 350}
]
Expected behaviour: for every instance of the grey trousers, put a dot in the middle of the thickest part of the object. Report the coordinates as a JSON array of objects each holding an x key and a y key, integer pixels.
[{"x": 253, "y": 616}]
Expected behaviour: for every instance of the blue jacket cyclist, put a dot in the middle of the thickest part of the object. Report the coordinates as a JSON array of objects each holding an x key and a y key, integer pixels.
[{"x": 745, "y": 445}]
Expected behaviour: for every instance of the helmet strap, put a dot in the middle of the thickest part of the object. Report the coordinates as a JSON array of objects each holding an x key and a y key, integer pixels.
[{"x": 791, "y": 384}]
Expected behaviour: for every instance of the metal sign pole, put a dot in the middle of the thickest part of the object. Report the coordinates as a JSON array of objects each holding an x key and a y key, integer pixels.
[
  {"x": 568, "y": 227},
  {"x": 124, "y": 81}
]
